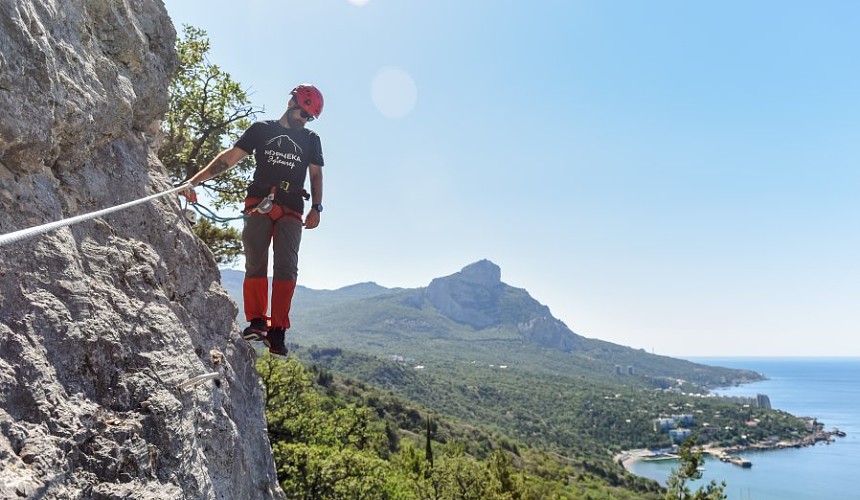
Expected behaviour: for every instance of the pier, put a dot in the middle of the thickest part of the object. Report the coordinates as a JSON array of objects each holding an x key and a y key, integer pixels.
[
  {"x": 723, "y": 456},
  {"x": 743, "y": 462}
]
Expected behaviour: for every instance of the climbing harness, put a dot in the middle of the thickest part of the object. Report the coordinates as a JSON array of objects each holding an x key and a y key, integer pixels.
[
  {"x": 44, "y": 228},
  {"x": 266, "y": 204},
  {"x": 263, "y": 207},
  {"x": 284, "y": 186}
]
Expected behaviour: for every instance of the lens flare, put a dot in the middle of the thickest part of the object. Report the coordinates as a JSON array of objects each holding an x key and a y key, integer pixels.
[{"x": 394, "y": 92}]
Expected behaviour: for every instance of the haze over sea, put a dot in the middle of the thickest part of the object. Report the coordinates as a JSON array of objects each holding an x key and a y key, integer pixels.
[{"x": 825, "y": 388}]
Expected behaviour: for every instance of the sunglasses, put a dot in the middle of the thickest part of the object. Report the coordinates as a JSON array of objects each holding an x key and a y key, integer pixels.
[{"x": 307, "y": 116}]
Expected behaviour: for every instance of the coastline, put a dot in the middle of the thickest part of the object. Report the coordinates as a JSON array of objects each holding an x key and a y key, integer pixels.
[
  {"x": 729, "y": 453},
  {"x": 829, "y": 390}
]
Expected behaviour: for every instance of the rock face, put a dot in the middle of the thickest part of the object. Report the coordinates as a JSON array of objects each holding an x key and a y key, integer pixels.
[
  {"x": 470, "y": 296},
  {"x": 477, "y": 297},
  {"x": 101, "y": 322}
]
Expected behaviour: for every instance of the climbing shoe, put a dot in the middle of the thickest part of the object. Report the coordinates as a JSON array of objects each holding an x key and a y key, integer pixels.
[
  {"x": 275, "y": 341},
  {"x": 256, "y": 331}
]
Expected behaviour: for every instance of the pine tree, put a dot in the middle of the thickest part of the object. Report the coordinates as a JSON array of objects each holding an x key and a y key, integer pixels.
[
  {"x": 688, "y": 470},
  {"x": 207, "y": 112},
  {"x": 428, "y": 450}
]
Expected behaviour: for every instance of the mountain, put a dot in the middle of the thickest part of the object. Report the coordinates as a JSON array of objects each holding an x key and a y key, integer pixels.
[
  {"x": 476, "y": 297},
  {"x": 473, "y": 316},
  {"x": 231, "y": 280}
]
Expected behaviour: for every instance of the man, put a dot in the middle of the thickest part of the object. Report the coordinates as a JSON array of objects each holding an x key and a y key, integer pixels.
[{"x": 284, "y": 152}]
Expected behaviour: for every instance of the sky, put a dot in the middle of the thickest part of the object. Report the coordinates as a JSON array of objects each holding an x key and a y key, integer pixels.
[{"x": 676, "y": 176}]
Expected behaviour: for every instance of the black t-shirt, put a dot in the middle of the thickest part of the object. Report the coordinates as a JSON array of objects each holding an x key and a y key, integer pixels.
[{"x": 281, "y": 154}]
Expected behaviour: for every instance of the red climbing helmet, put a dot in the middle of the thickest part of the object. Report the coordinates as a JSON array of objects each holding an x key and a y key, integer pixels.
[{"x": 309, "y": 98}]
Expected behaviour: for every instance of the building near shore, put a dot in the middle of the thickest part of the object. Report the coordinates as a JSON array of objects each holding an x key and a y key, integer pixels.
[
  {"x": 679, "y": 435},
  {"x": 663, "y": 424},
  {"x": 760, "y": 401}
]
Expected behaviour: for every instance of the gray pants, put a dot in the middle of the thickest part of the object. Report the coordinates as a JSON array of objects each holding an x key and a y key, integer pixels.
[{"x": 259, "y": 232}]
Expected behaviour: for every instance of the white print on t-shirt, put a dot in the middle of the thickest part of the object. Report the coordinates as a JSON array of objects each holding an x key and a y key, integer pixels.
[
  {"x": 280, "y": 158},
  {"x": 278, "y": 138}
]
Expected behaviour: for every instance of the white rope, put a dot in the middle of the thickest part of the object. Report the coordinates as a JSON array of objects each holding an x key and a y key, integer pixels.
[{"x": 33, "y": 231}]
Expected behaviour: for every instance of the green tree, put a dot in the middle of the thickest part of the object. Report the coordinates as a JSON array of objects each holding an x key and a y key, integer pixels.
[
  {"x": 465, "y": 478},
  {"x": 316, "y": 472},
  {"x": 428, "y": 447},
  {"x": 207, "y": 112},
  {"x": 688, "y": 470},
  {"x": 504, "y": 482},
  {"x": 322, "y": 451}
]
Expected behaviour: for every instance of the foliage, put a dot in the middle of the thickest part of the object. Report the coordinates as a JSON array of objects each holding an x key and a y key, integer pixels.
[
  {"x": 224, "y": 241},
  {"x": 334, "y": 439},
  {"x": 578, "y": 417},
  {"x": 207, "y": 111},
  {"x": 688, "y": 470}
]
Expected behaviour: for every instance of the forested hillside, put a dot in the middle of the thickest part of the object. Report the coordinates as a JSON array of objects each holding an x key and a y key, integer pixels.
[
  {"x": 337, "y": 438},
  {"x": 572, "y": 415}
]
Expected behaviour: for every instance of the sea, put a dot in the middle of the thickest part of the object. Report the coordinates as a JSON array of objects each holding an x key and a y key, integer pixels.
[{"x": 825, "y": 388}]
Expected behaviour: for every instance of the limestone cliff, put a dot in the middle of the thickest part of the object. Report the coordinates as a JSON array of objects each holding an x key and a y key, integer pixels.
[
  {"x": 476, "y": 296},
  {"x": 470, "y": 296},
  {"x": 102, "y": 321}
]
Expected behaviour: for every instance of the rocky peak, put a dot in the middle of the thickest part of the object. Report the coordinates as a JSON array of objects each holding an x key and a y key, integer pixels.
[
  {"x": 476, "y": 296},
  {"x": 470, "y": 296},
  {"x": 482, "y": 273},
  {"x": 102, "y": 323}
]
